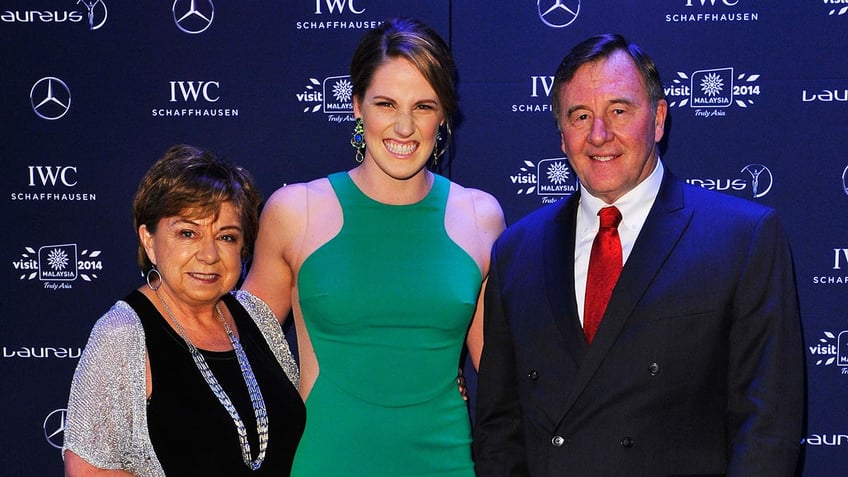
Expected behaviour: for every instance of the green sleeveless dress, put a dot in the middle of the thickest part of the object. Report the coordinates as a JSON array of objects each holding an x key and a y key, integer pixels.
[{"x": 387, "y": 303}]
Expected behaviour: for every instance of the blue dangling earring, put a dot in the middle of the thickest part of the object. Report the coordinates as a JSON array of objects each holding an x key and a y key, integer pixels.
[{"x": 357, "y": 140}]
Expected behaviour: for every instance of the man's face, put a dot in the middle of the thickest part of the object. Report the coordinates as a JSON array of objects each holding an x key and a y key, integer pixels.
[{"x": 609, "y": 128}]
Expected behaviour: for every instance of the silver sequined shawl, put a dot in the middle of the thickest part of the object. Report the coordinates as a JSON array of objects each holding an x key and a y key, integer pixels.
[{"x": 107, "y": 417}]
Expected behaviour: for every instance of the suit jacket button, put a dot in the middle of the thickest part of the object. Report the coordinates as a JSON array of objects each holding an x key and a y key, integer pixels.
[
  {"x": 627, "y": 442},
  {"x": 533, "y": 375},
  {"x": 654, "y": 368},
  {"x": 558, "y": 441}
]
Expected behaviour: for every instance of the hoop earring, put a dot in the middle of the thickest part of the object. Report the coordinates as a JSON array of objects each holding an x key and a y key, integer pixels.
[
  {"x": 157, "y": 280},
  {"x": 357, "y": 139}
]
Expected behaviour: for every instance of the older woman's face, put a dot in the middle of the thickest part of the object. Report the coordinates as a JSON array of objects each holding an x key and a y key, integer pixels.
[{"x": 199, "y": 258}]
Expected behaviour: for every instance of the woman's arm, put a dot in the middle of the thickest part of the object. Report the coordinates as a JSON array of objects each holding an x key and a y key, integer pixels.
[
  {"x": 281, "y": 226},
  {"x": 490, "y": 223},
  {"x": 75, "y": 466},
  {"x": 106, "y": 424}
]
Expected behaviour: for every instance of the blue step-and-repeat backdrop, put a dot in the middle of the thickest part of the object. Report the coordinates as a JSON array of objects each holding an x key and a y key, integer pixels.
[{"x": 93, "y": 91}]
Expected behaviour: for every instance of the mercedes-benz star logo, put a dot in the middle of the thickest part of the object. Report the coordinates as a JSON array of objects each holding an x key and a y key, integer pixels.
[
  {"x": 50, "y": 98},
  {"x": 54, "y": 428},
  {"x": 845, "y": 180},
  {"x": 558, "y": 13},
  {"x": 193, "y": 16}
]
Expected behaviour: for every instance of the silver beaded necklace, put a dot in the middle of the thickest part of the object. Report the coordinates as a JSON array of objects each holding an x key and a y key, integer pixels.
[{"x": 256, "y": 399}]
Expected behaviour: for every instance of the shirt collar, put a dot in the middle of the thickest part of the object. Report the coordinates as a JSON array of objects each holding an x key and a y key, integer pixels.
[{"x": 633, "y": 205}]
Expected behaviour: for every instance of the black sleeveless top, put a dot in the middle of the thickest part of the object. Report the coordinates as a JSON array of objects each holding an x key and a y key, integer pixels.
[{"x": 191, "y": 431}]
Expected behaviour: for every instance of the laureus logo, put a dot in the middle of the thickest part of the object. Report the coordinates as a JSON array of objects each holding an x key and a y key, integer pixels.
[
  {"x": 94, "y": 16},
  {"x": 760, "y": 182},
  {"x": 761, "y": 179},
  {"x": 96, "y": 13}
]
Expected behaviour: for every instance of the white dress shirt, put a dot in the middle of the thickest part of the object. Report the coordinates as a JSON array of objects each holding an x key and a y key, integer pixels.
[{"x": 634, "y": 207}]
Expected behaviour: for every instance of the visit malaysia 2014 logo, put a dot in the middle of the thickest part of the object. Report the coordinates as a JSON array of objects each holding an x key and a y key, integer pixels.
[
  {"x": 58, "y": 266},
  {"x": 332, "y": 96},
  {"x": 710, "y": 92},
  {"x": 549, "y": 179}
]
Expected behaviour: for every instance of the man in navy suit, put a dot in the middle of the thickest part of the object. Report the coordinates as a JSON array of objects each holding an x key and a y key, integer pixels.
[{"x": 696, "y": 367}]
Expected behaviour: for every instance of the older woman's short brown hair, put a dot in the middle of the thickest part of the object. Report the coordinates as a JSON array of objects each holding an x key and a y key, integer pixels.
[{"x": 192, "y": 180}]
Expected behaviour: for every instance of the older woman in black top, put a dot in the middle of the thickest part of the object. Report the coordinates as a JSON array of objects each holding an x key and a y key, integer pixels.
[{"x": 183, "y": 376}]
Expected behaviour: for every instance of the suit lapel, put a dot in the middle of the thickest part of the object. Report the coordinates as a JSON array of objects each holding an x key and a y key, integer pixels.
[
  {"x": 558, "y": 253},
  {"x": 663, "y": 228}
]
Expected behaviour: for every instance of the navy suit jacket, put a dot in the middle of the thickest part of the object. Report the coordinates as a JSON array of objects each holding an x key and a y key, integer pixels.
[{"x": 697, "y": 367}]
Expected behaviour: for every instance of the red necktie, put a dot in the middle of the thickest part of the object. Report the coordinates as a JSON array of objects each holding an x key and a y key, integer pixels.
[{"x": 604, "y": 269}]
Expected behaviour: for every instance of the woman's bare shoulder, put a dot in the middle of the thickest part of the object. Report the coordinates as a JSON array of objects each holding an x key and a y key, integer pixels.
[{"x": 483, "y": 206}]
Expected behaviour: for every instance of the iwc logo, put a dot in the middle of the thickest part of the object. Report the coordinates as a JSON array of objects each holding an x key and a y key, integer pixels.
[
  {"x": 558, "y": 13},
  {"x": 337, "y": 15},
  {"x": 539, "y": 99},
  {"x": 340, "y": 5},
  {"x": 52, "y": 183},
  {"x": 712, "y": 11},
  {"x": 836, "y": 275},
  {"x": 195, "y": 98}
]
